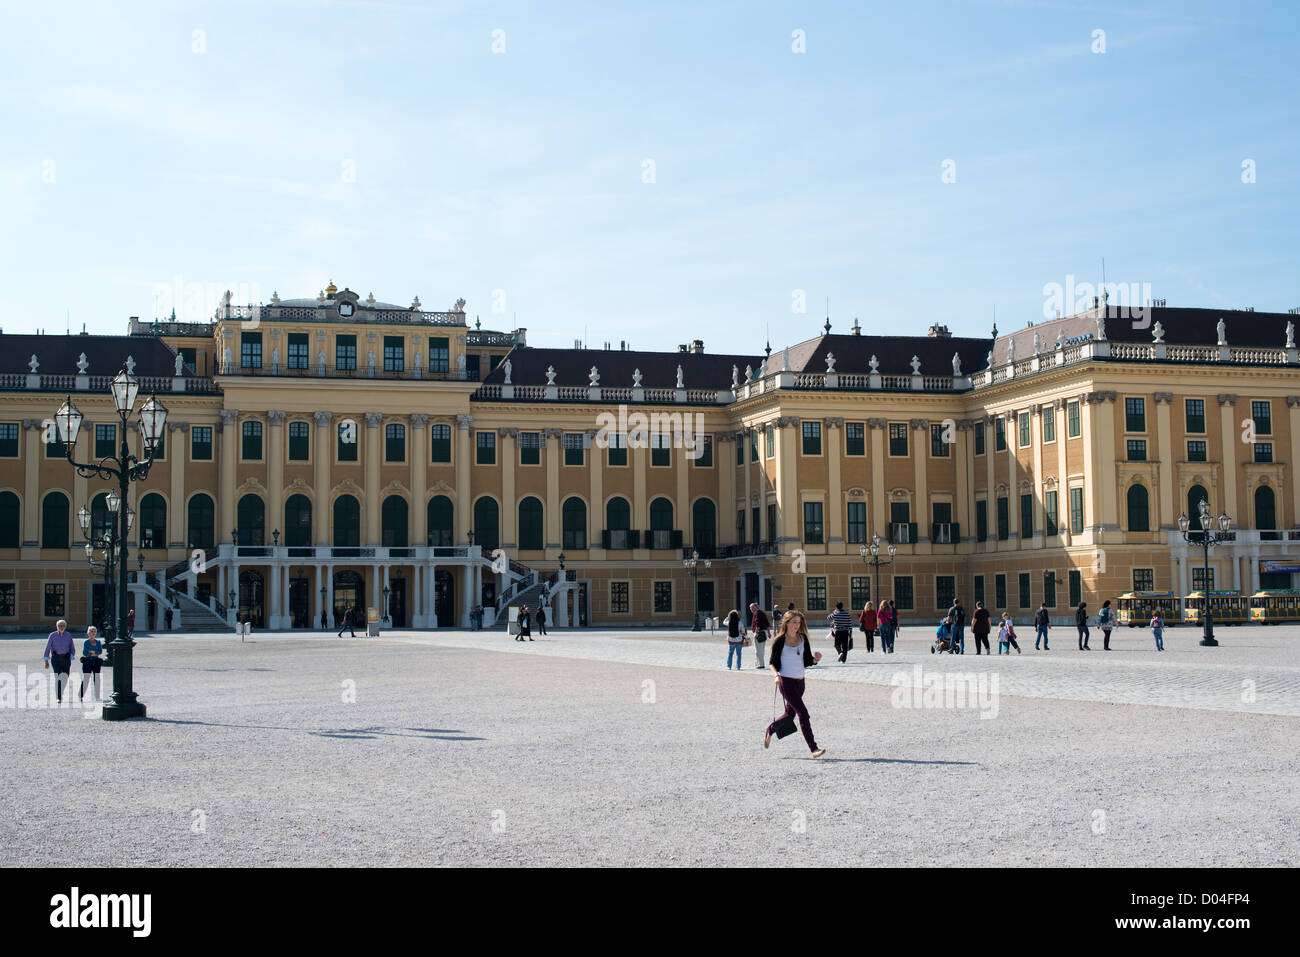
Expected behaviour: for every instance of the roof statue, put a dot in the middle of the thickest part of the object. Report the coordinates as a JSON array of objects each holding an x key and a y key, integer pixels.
[
  {"x": 1290, "y": 334},
  {"x": 1222, "y": 328},
  {"x": 1158, "y": 332},
  {"x": 550, "y": 375},
  {"x": 459, "y": 306},
  {"x": 830, "y": 363},
  {"x": 1038, "y": 343},
  {"x": 1060, "y": 338},
  {"x": 33, "y": 363},
  {"x": 507, "y": 366},
  {"x": 415, "y": 304},
  {"x": 180, "y": 361},
  {"x": 275, "y": 298},
  {"x": 749, "y": 373},
  {"x": 636, "y": 378},
  {"x": 593, "y": 377},
  {"x": 956, "y": 363},
  {"x": 1011, "y": 350},
  {"x": 681, "y": 384},
  {"x": 130, "y": 365},
  {"x": 874, "y": 363},
  {"x": 370, "y": 300},
  {"x": 83, "y": 365},
  {"x": 735, "y": 377},
  {"x": 916, "y": 365},
  {"x": 1101, "y": 326}
]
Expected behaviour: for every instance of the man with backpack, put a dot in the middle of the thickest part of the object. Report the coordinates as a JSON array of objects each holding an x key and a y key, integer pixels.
[
  {"x": 958, "y": 615},
  {"x": 842, "y": 625}
]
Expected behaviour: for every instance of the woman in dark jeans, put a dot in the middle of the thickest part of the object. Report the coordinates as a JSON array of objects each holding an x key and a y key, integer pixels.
[
  {"x": 791, "y": 654},
  {"x": 1081, "y": 622}
]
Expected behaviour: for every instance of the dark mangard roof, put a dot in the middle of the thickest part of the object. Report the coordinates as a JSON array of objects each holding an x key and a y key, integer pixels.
[
  {"x": 106, "y": 355},
  {"x": 1197, "y": 327},
  {"x": 893, "y": 354}
]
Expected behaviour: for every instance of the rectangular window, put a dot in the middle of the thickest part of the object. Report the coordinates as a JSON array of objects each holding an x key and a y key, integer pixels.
[
  {"x": 1000, "y": 434},
  {"x": 979, "y": 438},
  {"x": 201, "y": 443},
  {"x": 979, "y": 588},
  {"x": 394, "y": 442},
  {"x": 740, "y": 452},
  {"x": 771, "y": 520},
  {"x": 471, "y": 368},
  {"x": 1195, "y": 415},
  {"x": 1004, "y": 518},
  {"x": 394, "y": 354},
  {"x": 440, "y": 443},
  {"x": 55, "y": 448},
  {"x": 616, "y": 454},
  {"x": 1076, "y": 511},
  {"x": 740, "y": 526},
  {"x": 9, "y": 440},
  {"x": 105, "y": 441},
  {"x": 855, "y": 438},
  {"x": 859, "y": 591},
  {"x": 663, "y": 597},
  {"x": 1144, "y": 579},
  {"x": 857, "y": 522},
  {"x": 753, "y": 444},
  {"x": 1026, "y": 516},
  {"x": 1263, "y": 451},
  {"x": 55, "y": 606},
  {"x": 159, "y": 448},
  {"x": 189, "y": 357},
  {"x": 903, "y": 599},
  {"x": 704, "y": 445},
  {"x": 345, "y": 353},
  {"x": 661, "y": 453},
  {"x": 999, "y": 591},
  {"x": 898, "y": 439},
  {"x": 816, "y": 593},
  {"x": 1049, "y": 424},
  {"x": 812, "y": 523},
  {"x": 769, "y": 435},
  {"x": 1052, "y": 520},
  {"x": 573, "y": 448},
  {"x": 1049, "y": 589},
  {"x": 298, "y": 441},
  {"x": 1202, "y": 578},
  {"x": 981, "y": 520},
  {"x": 439, "y": 355},
  {"x": 250, "y": 350},
  {"x": 620, "y": 602},
  {"x": 530, "y": 448},
  {"x": 1022, "y": 424},
  {"x": 812, "y": 438},
  {"x": 347, "y": 445},
  {"x": 486, "y": 446},
  {"x": 938, "y": 447},
  {"x": 1262, "y": 413},
  {"x": 252, "y": 435},
  {"x": 1135, "y": 414},
  {"x": 1137, "y": 450},
  {"x": 1076, "y": 587},
  {"x": 1023, "y": 582},
  {"x": 1196, "y": 450},
  {"x": 298, "y": 354},
  {"x": 945, "y": 590},
  {"x": 1073, "y": 424},
  {"x": 8, "y": 600}
]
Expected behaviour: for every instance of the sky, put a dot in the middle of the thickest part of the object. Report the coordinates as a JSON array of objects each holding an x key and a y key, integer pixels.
[{"x": 653, "y": 173}]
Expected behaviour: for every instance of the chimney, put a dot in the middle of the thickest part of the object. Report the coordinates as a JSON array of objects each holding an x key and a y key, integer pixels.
[
  {"x": 938, "y": 331},
  {"x": 857, "y": 329},
  {"x": 681, "y": 347},
  {"x": 697, "y": 347},
  {"x": 622, "y": 345}
]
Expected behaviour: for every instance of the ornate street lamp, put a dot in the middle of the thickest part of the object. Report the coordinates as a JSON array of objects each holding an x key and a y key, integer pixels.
[
  {"x": 1208, "y": 537},
  {"x": 125, "y": 468},
  {"x": 874, "y": 561},
  {"x": 386, "y": 592},
  {"x": 692, "y": 565}
]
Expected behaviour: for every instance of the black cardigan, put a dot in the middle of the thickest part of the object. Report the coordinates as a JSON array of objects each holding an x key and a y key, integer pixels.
[{"x": 779, "y": 644}]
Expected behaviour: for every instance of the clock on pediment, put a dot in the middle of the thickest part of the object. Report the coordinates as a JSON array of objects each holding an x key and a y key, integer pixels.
[{"x": 346, "y": 303}]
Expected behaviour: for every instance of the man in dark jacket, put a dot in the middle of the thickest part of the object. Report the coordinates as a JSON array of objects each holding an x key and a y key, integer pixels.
[
  {"x": 1041, "y": 622},
  {"x": 842, "y": 625},
  {"x": 1081, "y": 622},
  {"x": 759, "y": 624},
  {"x": 347, "y": 624},
  {"x": 958, "y": 614},
  {"x": 979, "y": 627}
]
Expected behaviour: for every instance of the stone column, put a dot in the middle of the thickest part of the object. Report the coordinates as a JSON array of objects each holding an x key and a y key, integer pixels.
[
  {"x": 878, "y": 502},
  {"x": 1231, "y": 456},
  {"x": 466, "y": 594},
  {"x": 464, "y": 497},
  {"x": 833, "y": 429},
  {"x": 373, "y": 451},
  {"x": 554, "y": 441},
  {"x": 1062, "y": 474},
  {"x": 637, "y": 458},
  {"x": 1104, "y": 424},
  {"x": 176, "y": 455},
  {"x": 275, "y": 469},
  {"x": 508, "y": 438},
  {"x": 1013, "y": 484},
  {"x": 33, "y": 453},
  {"x": 990, "y": 476},
  {"x": 1165, "y": 452},
  {"x": 787, "y": 481},
  {"x": 726, "y": 460},
  {"x": 323, "y": 455},
  {"x": 746, "y": 438},
  {"x": 920, "y": 465},
  {"x": 595, "y": 496},
  {"x": 681, "y": 472},
  {"x": 1039, "y": 490},
  {"x": 419, "y": 473},
  {"x": 1090, "y": 515},
  {"x": 228, "y": 427},
  {"x": 965, "y": 471},
  {"x": 1289, "y": 512}
]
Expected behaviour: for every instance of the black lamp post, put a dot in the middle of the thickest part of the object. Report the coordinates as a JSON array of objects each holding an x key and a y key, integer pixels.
[
  {"x": 386, "y": 592},
  {"x": 323, "y": 619},
  {"x": 275, "y": 538},
  {"x": 692, "y": 565},
  {"x": 874, "y": 561},
  {"x": 106, "y": 541},
  {"x": 125, "y": 468},
  {"x": 1208, "y": 537}
]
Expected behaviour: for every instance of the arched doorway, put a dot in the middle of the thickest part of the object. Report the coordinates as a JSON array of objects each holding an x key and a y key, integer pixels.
[
  {"x": 347, "y": 522},
  {"x": 1138, "y": 509},
  {"x": 574, "y": 523},
  {"x": 440, "y": 521},
  {"x": 349, "y": 592},
  {"x": 486, "y": 528},
  {"x": 252, "y": 597},
  {"x": 704, "y": 522},
  {"x": 1265, "y": 510},
  {"x": 202, "y": 522},
  {"x": 530, "y": 524},
  {"x": 251, "y": 520},
  {"x": 444, "y": 598},
  {"x": 297, "y": 521},
  {"x": 393, "y": 522}
]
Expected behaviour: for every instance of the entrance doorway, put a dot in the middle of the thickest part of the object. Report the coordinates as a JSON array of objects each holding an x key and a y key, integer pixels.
[
  {"x": 251, "y": 598},
  {"x": 348, "y": 591},
  {"x": 397, "y": 602},
  {"x": 751, "y": 590},
  {"x": 299, "y": 596},
  {"x": 582, "y": 604},
  {"x": 444, "y": 598}
]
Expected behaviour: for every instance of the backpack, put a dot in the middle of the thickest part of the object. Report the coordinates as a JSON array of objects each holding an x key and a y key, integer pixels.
[{"x": 1103, "y": 617}]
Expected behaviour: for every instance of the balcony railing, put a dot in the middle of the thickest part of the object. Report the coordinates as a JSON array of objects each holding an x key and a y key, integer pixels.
[{"x": 750, "y": 549}]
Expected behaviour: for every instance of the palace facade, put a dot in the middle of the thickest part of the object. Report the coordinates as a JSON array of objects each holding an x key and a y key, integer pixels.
[{"x": 335, "y": 452}]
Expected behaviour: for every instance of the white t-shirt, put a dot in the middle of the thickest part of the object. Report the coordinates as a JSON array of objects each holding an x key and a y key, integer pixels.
[{"x": 792, "y": 661}]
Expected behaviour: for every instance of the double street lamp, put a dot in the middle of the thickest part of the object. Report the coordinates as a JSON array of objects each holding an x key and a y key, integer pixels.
[
  {"x": 874, "y": 561},
  {"x": 692, "y": 565},
  {"x": 1207, "y": 537},
  {"x": 125, "y": 468},
  {"x": 104, "y": 539}
]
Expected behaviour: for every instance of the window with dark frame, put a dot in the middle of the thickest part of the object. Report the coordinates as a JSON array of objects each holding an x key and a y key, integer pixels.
[
  {"x": 8, "y": 599},
  {"x": 857, "y": 522},
  {"x": 1263, "y": 451},
  {"x": 105, "y": 441},
  {"x": 345, "y": 353},
  {"x": 1000, "y": 434},
  {"x": 1052, "y": 517},
  {"x": 250, "y": 350},
  {"x": 1004, "y": 518},
  {"x": 298, "y": 433},
  {"x": 1144, "y": 579},
  {"x": 1262, "y": 413},
  {"x": 704, "y": 444},
  {"x": 1202, "y": 578},
  {"x": 898, "y": 439},
  {"x": 573, "y": 451},
  {"x": 663, "y": 594},
  {"x": 620, "y": 602},
  {"x": 394, "y": 442},
  {"x": 1000, "y": 591},
  {"x": 979, "y": 438},
  {"x": 55, "y": 600},
  {"x": 1195, "y": 415},
  {"x": 903, "y": 594},
  {"x": 855, "y": 438},
  {"x": 979, "y": 588},
  {"x": 1049, "y": 589},
  {"x": 981, "y": 520},
  {"x": 485, "y": 448},
  {"x": 1073, "y": 420},
  {"x": 201, "y": 443},
  {"x": 394, "y": 354},
  {"x": 440, "y": 443},
  {"x": 859, "y": 591},
  {"x": 347, "y": 450},
  {"x": 1196, "y": 450},
  {"x": 439, "y": 354},
  {"x": 945, "y": 590},
  {"x": 252, "y": 441},
  {"x": 299, "y": 355},
  {"x": 1076, "y": 587},
  {"x": 1135, "y": 414},
  {"x": 1076, "y": 511},
  {"x": 1049, "y": 424},
  {"x": 939, "y": 449},
  {"x": 1022, "y": 425},
  {"x": 9, "y": 440},
  {"x": 1023, "y": 583},
  {"x": 812, "y": 438},
  {"x": 812, "y": 523},
  {"x": 816, "y": 593},
  {"x": 530, "y": 448},
  {"x": 616, "y": 452},
  {"x": 1026, "y": 516},
  {"x": 1136, "y": 449}
]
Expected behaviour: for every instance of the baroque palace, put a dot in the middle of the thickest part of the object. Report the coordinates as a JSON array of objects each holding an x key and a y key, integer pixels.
[{"x": 337, "y": 452}]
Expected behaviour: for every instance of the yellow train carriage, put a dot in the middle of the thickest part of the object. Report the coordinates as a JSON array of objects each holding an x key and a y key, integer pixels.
[
  {"x": 1134, "y": 608},
  {"x": 1273, "y": 606},
  {"x": 1226, "y": 607}
]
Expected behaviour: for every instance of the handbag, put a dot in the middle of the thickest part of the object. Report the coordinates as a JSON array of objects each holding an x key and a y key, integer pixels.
[{"x": 782, "y": 727}]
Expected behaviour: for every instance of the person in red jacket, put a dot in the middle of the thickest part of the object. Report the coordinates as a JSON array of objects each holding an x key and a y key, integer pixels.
[
  {"x": 867, "y": 622},
  {"x": 979, "y": 627}
]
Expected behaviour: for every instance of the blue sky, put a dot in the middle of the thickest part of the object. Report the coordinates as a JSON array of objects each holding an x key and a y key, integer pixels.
[{"x": 142, "y": 155}]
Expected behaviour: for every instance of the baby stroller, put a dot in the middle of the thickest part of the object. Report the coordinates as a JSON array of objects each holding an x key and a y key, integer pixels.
[{"x": 943, "y": 638}]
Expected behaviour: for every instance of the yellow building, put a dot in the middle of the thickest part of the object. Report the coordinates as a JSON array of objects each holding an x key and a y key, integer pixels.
[{"x": 348, "y": 453}]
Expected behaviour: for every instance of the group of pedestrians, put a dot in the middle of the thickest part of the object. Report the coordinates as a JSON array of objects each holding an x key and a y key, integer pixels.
[
  {"x": 59, "y": 649},
  {"x": 526, "y": 618}
]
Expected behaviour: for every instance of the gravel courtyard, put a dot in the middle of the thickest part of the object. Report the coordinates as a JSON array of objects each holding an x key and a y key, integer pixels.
[{"x": 591, "y": 747}]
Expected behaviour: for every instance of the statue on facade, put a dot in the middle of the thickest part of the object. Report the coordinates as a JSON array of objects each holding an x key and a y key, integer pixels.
[
  {"x": 507, "y": 366},
  {"x": 550, "y": 375},
  {"x": 830, "y": 363},
  {"x": 1158, "y": 332},
  {"x": 83, "y": 364},
  {"x": 228, "y": 361},
  {"x": 916, "y": 365},
  {"x": 1290, "y": 334},
  {"x": 275, "y": 357},
  {"x": 1038, "y": 343},
  {"x": 1101, "y": 327},
  {"x": 749, "y": 373},
  {"x": 956, "y": 364},
  {"x": 735, "y": 377},
  {"x": 33, "y": 363},
  {"x": 681, "y": 384},
  {"x": 874, "y": 365},
  {"x": 593, "y": 377},
  {"x": 1011, "y": 350},
  {"x": 1222, "y": 328},
  {"x": 636, "y": 378},
  {"x": 180, "y": 362}
]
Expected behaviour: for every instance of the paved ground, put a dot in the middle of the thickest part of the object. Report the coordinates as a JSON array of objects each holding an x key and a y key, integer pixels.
[{"x": 640, "y": 749}]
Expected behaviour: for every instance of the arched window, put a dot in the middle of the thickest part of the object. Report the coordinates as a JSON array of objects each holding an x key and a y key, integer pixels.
[
  {"x": 10, "y": 510},
  {"x": 152, "y": 521},
  {"x": 1194, "y": 496},
  {"x": 618, "y": 524},
  {"x": 392, "y": 522},
  {"x": 1265, "y": 510},
  {"x": 530, "y": 524},
  {"x": 441, "y": 521},
  {"x": 297, "y": 521},
  {"x": 202, "y": 522},
  {"x": 101, "y": 520},
  {"x": 704, "y": 518},
  {"x": 1138, "y": 509},
  {"x": 347, "y": 522},
  {"x": 486, "y": 524},
  {"x": 54, "y": 521},
  {"x": 250, "y": 520},
  {"x": 661, "y": 525},
  {"x": 574, "y": 519}
]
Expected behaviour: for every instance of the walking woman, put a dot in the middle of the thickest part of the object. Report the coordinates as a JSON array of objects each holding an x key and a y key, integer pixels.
[
  {"x": 1158, "y": 629},
  {"x": 980, "y": 627},
  {"x": 524, "y": 630},
  {"x": 1105, "y": 621},
  {"x": 896, "y": 625},
  {"x": 92, "y": 650},
  {"x": 885, "y": 622},
  {"x": 735, "y": 638},
  {"x": 791, "y": 654},
  {"x": 1081, "y": 622},
  {"x": 867, "y": 622}
]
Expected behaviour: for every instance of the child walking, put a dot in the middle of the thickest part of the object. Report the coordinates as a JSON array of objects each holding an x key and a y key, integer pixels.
[{"x": 1007, "y": 635}]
